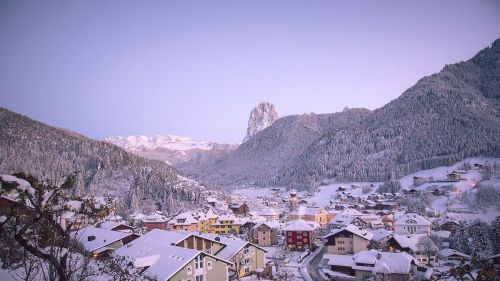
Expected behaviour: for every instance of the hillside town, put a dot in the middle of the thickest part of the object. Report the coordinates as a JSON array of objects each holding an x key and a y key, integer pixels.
[{"x": 279, "y": 234}]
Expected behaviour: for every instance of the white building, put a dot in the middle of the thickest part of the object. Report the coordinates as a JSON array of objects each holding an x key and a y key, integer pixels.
[{"x": 412, "y": 223}]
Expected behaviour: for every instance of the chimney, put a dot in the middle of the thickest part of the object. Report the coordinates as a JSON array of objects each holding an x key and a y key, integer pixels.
[{"x": 217, "y": 238}]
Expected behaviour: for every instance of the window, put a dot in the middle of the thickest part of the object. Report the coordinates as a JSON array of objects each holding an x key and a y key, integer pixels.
[
  {"x": 199, "y": 278},
  {"x": 289, "y": 234},
  {"x": 198, "y": 261},
  {"x": 189, "y": 270},
  {"x": 290, "y": 240},
  {"x": 304, "y": 233}
]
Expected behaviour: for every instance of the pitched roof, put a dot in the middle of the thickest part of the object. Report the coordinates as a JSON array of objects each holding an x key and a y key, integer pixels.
[
  {"x": 363, "y": 233},
  {"x": 301, "y": 225},
  {"x": 413, "y": 219},
  {"x": 153, "y": 250},
  {"x": 409, "y": 241},
  {"x": 102, "y": 237},
  {"x": 380, "y": 234}
]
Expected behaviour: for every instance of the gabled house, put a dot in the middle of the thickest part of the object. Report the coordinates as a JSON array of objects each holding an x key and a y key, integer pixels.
[
  {"x": 239, "y": 208},
  {"x": 409, "y": 244},
  {"x": 348, "y": 240},
  {"x": 380, "y": 238},
  {"x": 412, "y": 223},
  {"x": 183, "y": 221},
  {"x": 300, "y": 235},
  {"x": 453, "y": 256},
  {"x": 449, "y": 225},
  {"x": 380, "y": 266},
  {"x": 226, "y": 224},
  {"x": 154, "y": 221},
  {"x": 265, "y": 234},
  {"x": 116, "y": 226},
  {"x": 162, "y": 259},
  {"x": 99, "y": 242}
]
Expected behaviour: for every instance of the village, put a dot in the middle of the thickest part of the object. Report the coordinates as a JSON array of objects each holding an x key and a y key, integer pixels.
[{"x": 336, "y": 232}]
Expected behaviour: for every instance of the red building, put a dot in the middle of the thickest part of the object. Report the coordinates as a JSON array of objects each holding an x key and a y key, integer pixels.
[{"x": 300, "y": 235}]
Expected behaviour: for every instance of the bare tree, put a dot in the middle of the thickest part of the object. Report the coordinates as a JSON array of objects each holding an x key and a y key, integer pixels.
[
  {"x": 426, "y": 245},
  {"x": 35, "y": 232}
]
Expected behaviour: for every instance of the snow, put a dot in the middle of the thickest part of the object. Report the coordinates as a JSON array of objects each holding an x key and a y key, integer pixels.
[
  {"x": 301, "y": 225},
  {"x": 354, "y": 230},
  {"x": 141, "y": 143},
  {"x": 103, "y": 237}
]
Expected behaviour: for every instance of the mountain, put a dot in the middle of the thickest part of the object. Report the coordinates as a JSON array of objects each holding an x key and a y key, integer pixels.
[
  {"x": 261, "y": 117},
  {"x": 100, "y": 168},
  {"x": 171, "y": 149},
  {"x": 442, "y": 119}
]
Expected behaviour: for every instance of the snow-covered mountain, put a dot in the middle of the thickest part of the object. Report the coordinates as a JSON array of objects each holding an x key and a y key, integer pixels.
[
  {"x": 143, "y": 143},
  {"x": 442, "y": 119},
  {"x": 100, "y": 168},
  {"x": 170, "y": 149},
  {"x": 261, "y": 117}
]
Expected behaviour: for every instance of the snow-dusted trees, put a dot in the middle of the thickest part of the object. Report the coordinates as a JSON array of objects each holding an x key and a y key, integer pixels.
[
  {"x": 477, "y": 239},
  {"x": 35, "y": 232},
  {"x": 427, "y": 246}
]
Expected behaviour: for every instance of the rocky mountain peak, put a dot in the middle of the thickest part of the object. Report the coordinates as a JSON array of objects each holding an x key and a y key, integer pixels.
[{"x": 261, "y": 117}]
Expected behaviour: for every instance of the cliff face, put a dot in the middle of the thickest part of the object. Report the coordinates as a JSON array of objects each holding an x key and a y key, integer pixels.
[{"x": 261, "y": 117}]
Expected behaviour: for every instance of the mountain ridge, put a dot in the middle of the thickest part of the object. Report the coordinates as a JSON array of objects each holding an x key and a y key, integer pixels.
[
  {"x": 100, "y": 168},
  {"x": 443, "y": 118}
]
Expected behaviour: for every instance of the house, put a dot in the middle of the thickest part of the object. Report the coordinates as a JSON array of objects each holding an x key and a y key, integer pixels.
[
  {"x": 453, "y": 256},
  {"x": 226, "y": 224},
  {"x": 116, "y": 226},
  {"x": 348, "y": 240},
  {"x": 380, "y": 239},
  {"x": 154, "y": 221},
  {"x": 99, "y": 242},
  {"x": 239, "y": 208},
  {"x": 412, "y": 223},
  {"x": 300, "y": 235},
  {"x": 368, "y": 264},
  {"x": 183, "y": 221},
  {"x": 409, "y": 244},
  {"x": 269, "y": 214},
  {"x": 366, "y": 221},
  {"x": 162, "y": 259},
  {"x": 265, "y": 234},
  {"x": 245, "y": 258},
  {"x": 294, "y": 201},
  {"x": 449, "y": 225},
  {"x": 313, "y": 214}
]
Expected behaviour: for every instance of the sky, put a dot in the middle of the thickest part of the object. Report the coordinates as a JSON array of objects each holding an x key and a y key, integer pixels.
[{"x": 197, "y": 68}]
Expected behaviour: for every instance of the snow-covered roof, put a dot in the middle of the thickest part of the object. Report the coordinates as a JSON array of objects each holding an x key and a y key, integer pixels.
[
  {"x": 111, "y": 224},
  {"x": 305, "y": 211},
  {"x": 185, "y": 218},
  {"x": 301, "y": 225},
  {"x": 163, "y": 260},
  {"x": 412, "y": 219},
  {"x": 270, "y": 224},
  {"x": 352, "y": 212},
  {"x": 233, "y": 245},
  {"x": 154, "y": 218},
  {"x": 340, "y": 260},
  {"x": 409, "y": 241},
  {"x": 380, "y": 262},
  {"x": 451, "y": 252},
  {"x": 341, "y": 220},
  {"x": 389, "y": 263},
  {"x": 380, "y": 234},
  {"x": 101, "y": 237},
  {"x": 363, "y": 233}
]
